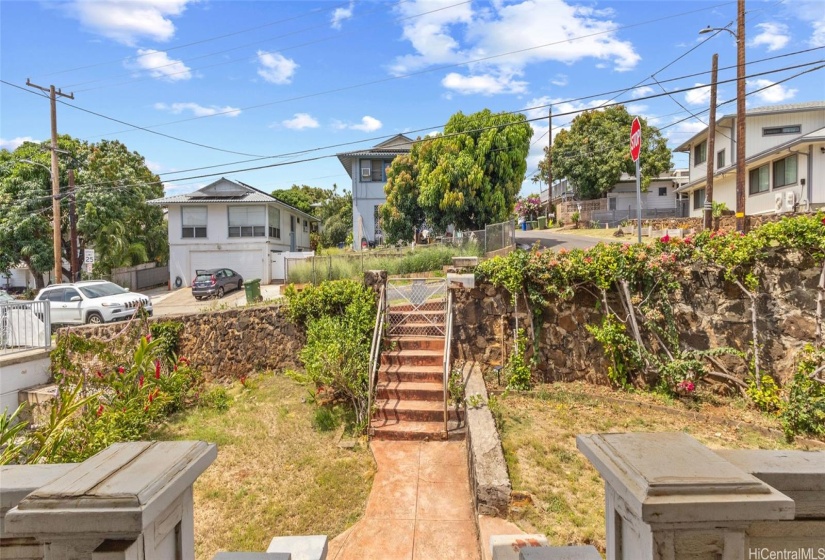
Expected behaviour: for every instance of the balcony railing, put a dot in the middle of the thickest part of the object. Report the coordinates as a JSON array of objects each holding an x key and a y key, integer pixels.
[{"x": 24, "y": 325}]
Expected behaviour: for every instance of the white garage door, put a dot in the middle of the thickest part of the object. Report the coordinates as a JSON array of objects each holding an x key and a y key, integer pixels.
[{"x": 248, "y": 264}]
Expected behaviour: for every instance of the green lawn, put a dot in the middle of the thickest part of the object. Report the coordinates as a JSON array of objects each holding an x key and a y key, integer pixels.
[{"x": 275, "y": 474}]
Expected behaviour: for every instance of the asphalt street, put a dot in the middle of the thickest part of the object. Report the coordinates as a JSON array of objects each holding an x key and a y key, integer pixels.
[{"x": 550, "y": 239}]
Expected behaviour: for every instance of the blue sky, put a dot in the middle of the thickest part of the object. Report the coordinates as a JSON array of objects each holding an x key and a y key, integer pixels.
[{"x": 272, "y": 78}]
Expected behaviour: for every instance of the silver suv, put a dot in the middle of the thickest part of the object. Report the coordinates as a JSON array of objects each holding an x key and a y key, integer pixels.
[{"x": 92, "y": 301}]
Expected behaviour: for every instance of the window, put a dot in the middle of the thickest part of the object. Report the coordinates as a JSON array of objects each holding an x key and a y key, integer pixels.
[
  {"x": 776, "y": 130},
  {"x": 758, "y": 180},
  {"x": 247, "y": 221},
  {"x": 374, "y": 170},
  {"x": 306, "y": 225},
  {"x": 193, "y": 221},
  {"x": 69, "y": 294},
  {"x": 784, "y": 172},
  {"x": 699, "y": 199},
  {"x": 662, "y": 191},
  {"x": 53, "y": 295},
  {"x": 720, "y": 159},
  {"x": 700, "y": 153},
  {"x": 274, "y": 222},
  {"x": 611, "y": 203}
]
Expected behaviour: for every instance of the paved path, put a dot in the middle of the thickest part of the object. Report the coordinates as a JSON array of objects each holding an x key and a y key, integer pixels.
[
  {"x": 553, "y": 240},
  {"x": 181, "y": 302},
  {"x": 419, "y": 507}
]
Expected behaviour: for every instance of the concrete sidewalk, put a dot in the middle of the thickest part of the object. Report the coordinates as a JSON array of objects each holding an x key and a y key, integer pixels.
[{"x": 419, "y": 508}]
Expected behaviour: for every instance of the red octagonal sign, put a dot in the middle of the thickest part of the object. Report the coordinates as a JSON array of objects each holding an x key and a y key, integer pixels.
[{"x": 635, "y": 139}]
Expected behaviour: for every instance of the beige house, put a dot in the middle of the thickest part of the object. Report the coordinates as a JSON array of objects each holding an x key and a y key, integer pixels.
[{"x": 785, "y": 160}]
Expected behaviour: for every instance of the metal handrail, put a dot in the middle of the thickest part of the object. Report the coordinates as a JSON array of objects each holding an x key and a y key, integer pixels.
[
  {"x": 375, "y": 350},
  {"x": 448, "y": 336}
]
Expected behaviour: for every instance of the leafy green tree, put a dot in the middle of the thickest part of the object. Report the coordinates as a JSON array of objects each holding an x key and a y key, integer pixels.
[
  {"x": 469, "y": 177},
  {"x": 112, "y": 185},
  {"x": 333, "y": 209},
  {"x": 303, "y": 197},
  {"x": 595, "y": 151}
]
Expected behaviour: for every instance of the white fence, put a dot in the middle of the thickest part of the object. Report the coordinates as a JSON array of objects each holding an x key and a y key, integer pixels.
[{"x": 24, "y": 325}]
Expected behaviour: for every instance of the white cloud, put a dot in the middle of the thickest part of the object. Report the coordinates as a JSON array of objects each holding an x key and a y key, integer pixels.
[
  {"x": 126, "y": 22},
  {"x": 301, "y": 121},
  {"x": 171, "y": 189},
  {"x": 641, "y": 92},
  {"x": 198, "y": 110},
  {"x": 678, "y": 133},
  {"x": 368, "y": 124},
  {"x": 153, "y": 166},
  {"x": 699, "y": 96},
  {"x": 484, "y": 84},
  {"x": 13, "y": 143},
  {"x": 341, "y": 14},
  {"x": 811, "y": 12},
  {"x": 773, "y": 35},
  {"x": 459, "y": 34},
  {"x": 775, "y": 93},
  {"x": 560, "y": 80},
  {"x": 276, "y": 68},
  {"x": 160, "y": 66}
]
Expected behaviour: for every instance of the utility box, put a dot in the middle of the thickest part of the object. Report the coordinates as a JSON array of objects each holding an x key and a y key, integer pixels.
[{"x": 131, "y": 500}]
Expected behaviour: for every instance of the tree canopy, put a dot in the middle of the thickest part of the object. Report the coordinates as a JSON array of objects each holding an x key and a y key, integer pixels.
[
  {"x": 595, "y": 151},
  {"x": 469, "y": 176},
  {"x": 333, "y": 209},
  {"x": 112, "y": 186},
  {"x": 303, "y": 197}
]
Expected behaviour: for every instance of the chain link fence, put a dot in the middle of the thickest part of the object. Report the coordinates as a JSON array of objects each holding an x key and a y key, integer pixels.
[{"x": 499, "y": 237}]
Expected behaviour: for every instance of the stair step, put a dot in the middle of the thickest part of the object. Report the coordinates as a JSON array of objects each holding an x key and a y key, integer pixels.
[
  {"x": 413, "y": 357},
  {"x": 415, "y": 343},
  {"x": 411, "y": 390},
  {"x": 410, "y": 410},
  {"x": 413, "y": 431},
  {"x": 422, "y": 374},
  {"x": 417, "y": 316}
]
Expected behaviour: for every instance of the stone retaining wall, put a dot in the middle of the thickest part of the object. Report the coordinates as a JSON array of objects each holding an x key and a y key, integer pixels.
[
  {"x": 710, "y": 313},
  {"x": 229, "y": 343}
]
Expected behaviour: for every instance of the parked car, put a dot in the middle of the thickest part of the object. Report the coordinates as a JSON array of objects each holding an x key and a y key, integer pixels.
[
  {"x": 91, "y": 301},
  {"x": 215, "y": 282}
]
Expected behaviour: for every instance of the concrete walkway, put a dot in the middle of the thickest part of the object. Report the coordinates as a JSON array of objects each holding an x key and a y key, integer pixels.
[{"x": 419, "y": 507}]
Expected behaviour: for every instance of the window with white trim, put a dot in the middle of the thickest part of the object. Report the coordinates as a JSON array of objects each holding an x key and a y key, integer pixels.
[
  {"x": 699, "y": 199},
  {"x": 785, "y": 172},
  {"x": 759, "y": 180},
  {"x": 700, "y": 153},
  {"x": 374, "y": 170},
  {"x": 662, "y": 191},
  {"x": 274, "y": 222},
  {"x": 193, "y": 221},
  {"x": 777, "y": 130},
  {"x": 720, "y": 159},
  {"x": 247, "y": 221}
]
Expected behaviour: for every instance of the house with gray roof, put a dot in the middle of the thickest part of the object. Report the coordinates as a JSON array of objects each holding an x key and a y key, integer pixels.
[
  {"x": 368, "y": 171},
  {"x": 233, "y": 225},
  {"x": 785, "y": 160}
]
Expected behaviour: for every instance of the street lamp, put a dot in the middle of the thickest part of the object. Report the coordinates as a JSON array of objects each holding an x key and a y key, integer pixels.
[{"x": 739, "y": 36}]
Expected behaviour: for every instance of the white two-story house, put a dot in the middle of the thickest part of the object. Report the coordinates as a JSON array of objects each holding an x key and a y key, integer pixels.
[
  {"x": 785, "y": 160},
  {"x": 229, "y": 224},
  {"x": 368, "y": 171}
]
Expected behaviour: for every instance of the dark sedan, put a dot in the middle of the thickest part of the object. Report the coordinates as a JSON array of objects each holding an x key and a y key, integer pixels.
[{"x": 215, "y": 282}]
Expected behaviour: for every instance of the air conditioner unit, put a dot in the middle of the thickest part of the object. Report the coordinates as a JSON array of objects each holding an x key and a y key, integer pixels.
[
  {"x": 366, "y": 172},
  {"x": 790, "y": 201},
  {"x": 779, "y": 203}
]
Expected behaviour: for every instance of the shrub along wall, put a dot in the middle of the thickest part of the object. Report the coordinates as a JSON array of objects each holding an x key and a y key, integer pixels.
[
  {"x": 229, "y": 343},
  {"x": 710, "y": 312}
]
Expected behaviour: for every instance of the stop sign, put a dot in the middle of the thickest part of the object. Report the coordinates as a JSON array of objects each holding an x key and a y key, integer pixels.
[{"x": 635, "y": 139}]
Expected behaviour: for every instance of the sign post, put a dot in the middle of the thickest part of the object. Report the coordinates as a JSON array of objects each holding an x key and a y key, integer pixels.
[
  {"x": 635, "y": 152},
  {"x": 89, "y": 259}
]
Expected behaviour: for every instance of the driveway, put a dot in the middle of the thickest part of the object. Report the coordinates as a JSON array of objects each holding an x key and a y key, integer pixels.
[
  {"x": 550, "y": 239},
  {"x": 181, "y": 302}
]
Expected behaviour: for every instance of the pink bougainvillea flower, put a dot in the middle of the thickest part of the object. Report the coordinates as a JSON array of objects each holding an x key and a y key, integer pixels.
[
  {"x": 665, "y": 239},
  {"x": 100, "y": 410},
  {"x": 157, "y": 369},
  {"x": 121, "y": 369},
  {"x": 686, "y": 386},
  {"x": 148, "y": 338},
  {"x": 823, "y": 221},
  {"x": 140, "y": 382}
]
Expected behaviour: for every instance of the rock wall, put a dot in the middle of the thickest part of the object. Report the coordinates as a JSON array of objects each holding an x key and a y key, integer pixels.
[
  {"x": 229, "y": 343},
  {"x": 710, "y": 312}
]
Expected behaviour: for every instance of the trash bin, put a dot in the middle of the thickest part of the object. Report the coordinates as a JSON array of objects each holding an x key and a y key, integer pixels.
[
  {"x": 542, "y": 222},
  {"x": 253, "y": 290},
  {"x": 523, "y": 226}
]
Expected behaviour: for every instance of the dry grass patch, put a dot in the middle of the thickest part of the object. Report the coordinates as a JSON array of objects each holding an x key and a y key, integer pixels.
[
  {"x": 567, "y": 493},
  {"x": 275, "y": 474}
]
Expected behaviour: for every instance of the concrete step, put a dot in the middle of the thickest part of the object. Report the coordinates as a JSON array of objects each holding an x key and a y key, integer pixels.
[
  {"x": 414, "y": 431},
  {"x": 410, "y": 390},
  {"x": 415, "y": 343},
  {"x": 410, "y": 410},
  {"x": 413, "y": 357},
  {"x": 420, "y": 374}
]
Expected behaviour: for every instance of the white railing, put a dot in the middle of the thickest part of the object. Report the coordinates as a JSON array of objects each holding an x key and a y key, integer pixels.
[
  {"x": 24, "y": 325},
  {"x": 375, "y": 351},
  {"x": 448, "y": 338}
]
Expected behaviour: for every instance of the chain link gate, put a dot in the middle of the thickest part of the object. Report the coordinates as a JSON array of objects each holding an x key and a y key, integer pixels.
[{"x": 416, "y": 306}]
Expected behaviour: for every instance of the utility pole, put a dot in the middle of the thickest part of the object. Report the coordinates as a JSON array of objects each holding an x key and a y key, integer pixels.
[
  {"x": 73, "y": 229},
  {"x": 58, "y": 258},
  {"x": 549, "y": 161},
  {"x": 740, "y": 116},
  {"x": 708, "y": 223}
]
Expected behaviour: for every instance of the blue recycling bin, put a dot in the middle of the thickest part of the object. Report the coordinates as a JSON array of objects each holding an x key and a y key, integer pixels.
[{"x": 523, "y": 226}]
